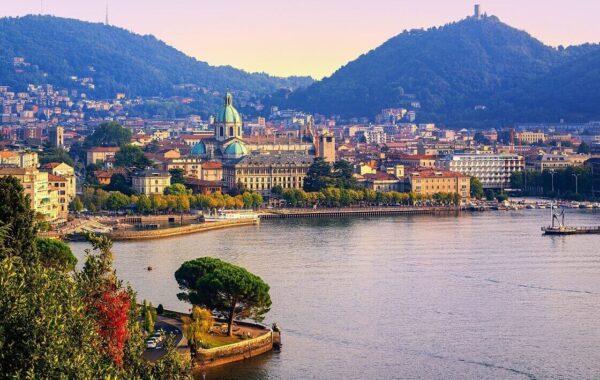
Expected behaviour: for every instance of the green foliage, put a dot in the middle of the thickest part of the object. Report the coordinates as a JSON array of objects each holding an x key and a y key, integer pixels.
[
  {"x": 227, "y": 288},
  {"x": 76, "y": 204},
  {"x": 160, "y": 309},
  {"x": 117, "y": 60},
  {"x": 55, "y": 254},
  {"x": 177, "y": 176},
  {"x": 56, "y": 155},
  {"x": 476, "y": 188},
  {"x": 584, "y": 148},
  {"x": 19, "y": 219},
  {"x": 177, "y": 189},
  {"x": 540, "y": 183},
  {"x": 109, "y": 134},
  {"x": 196, "y": 326},
  {"x": 119, "y": 182},
  {"x": 318, "y": 175},
  {"x": 131, "y": 156},
  {"x": 55, "y": 324},
  {"x": 117, "y": 201}
]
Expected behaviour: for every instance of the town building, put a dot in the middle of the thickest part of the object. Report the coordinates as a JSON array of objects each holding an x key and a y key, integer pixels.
[
  {"x": 100, "y": 154},
  {"x": 21, "y": 159},
  {"x": 35, "y": 185},
  {"x": 68, "y": 187},
  {"x": 56, "y": 136},
  {"x": 430, "y": 181},
  {"x": 150, "y": 181},
  {"x": 531, "y": 137},
  {"x": 263, "y": 172},
  {"x": 493, "y": 170},
  {"x": 382, "y": 182}
]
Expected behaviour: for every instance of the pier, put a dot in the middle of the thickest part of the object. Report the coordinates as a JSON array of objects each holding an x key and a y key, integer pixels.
[{"x": 354, "y": 211}]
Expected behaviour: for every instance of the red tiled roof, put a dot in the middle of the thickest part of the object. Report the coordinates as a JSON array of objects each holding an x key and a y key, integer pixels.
[
  {"x": 104, "y": 149},
  {"x": 212, "y": 165}
]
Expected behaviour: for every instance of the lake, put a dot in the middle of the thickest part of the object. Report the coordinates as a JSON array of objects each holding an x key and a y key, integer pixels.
[{"x": 475, "y": 296}]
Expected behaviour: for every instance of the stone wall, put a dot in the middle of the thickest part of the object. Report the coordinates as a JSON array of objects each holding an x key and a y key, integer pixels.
[
  {"x": 234, "y": 352},
  {"x": 175, "y": 231}
]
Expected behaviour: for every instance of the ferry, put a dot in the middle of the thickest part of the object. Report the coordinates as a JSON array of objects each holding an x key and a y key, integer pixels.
[{"x": 223, "y": 215}]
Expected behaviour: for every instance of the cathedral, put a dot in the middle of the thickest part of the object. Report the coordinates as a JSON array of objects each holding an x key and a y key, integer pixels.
[{"x": 254, "y": 164}]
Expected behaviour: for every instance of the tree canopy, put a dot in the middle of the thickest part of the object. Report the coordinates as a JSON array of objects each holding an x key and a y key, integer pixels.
[
  {"x": 131, "y": 156},
  {"x": 109, "y": 134},
  {"x": 223, "y": 287},
  {"x": 55, "y": 253}
]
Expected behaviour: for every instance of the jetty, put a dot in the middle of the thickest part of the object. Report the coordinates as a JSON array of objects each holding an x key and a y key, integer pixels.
[
  {"x": 557, "y": 225},
  {"x": 354, "y": 211}
]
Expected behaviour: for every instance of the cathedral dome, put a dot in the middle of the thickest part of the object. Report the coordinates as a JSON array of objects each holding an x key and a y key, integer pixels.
[
  {"x": 199, "y": 149},
  {"x": 228, "y": 114},
  {"x": 236, "y": 149}
]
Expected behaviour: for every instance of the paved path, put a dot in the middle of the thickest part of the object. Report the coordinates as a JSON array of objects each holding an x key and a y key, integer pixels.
[{"x": 171, "y": 326}]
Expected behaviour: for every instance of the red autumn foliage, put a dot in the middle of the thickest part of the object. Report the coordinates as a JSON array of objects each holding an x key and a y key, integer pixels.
[{"x": 112, "y": 309}]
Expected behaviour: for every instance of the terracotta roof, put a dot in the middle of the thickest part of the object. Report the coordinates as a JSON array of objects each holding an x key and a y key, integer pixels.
[
  {"x": 429, "y": 173},
  {"x": 212, "y": 165},
  {"x": 381, "y": 176},
  {"x": 56, "y": 178},
  {"x": 104, "y": 149},
  {"x": 7, "y": 153}
]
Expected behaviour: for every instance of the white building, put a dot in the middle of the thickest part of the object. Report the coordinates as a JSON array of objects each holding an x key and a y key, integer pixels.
[{"x": 493, "y": 170}]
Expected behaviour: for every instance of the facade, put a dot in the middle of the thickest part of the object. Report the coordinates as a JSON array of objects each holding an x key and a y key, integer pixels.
[
  {"x": 150, "y": 181},
  {"x": 35, "y": 185},
  {"x": 415, "y": 161},
  {"x": 493, "y": 170},
  {"x": 431, "y": 181},
  {"x": 21, "y": 159},
  {"x": 530, "y": 137},
  {"x": 68, "y": 187},
  {"x": 59, "y": 185},
  {"x": 99, "y": 154},
  {"x": 263, "y": 172},
  {"x": 383, "y": 182}
]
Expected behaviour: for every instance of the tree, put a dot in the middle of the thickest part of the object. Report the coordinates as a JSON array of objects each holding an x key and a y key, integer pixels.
[
  {"x": 18, "y": 217},
  {"x": 56, "y": 254},
  {"x": 177, "y": 189},
  {"x": 476, "y": 188},
  {"x": 318, "y": 175},
  {"x": 226, "y": 288},
  {"x": 108, "y": 134},
  {"x": 584, "y": 148},
  {"x": 119, "y": 182},
  {"x": 177, "y": 176},
  {"x": 76, "y": 205},
  {"x": 55, "y": 155},
  {"x": 343, "y": 175},
  {"x": 196, "y": 326},
  {"x": 131, "y": 156},
  {"x": 117, "y": 201}
]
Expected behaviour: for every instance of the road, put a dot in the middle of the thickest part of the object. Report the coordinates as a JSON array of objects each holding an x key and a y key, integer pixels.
[{"x": 171, "y": 326}]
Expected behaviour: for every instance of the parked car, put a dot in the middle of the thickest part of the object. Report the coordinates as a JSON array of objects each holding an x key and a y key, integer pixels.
[{"x": 151, "y": 343}]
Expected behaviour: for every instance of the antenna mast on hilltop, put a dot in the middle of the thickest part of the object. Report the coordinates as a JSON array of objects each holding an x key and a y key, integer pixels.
[
  {"x": 41, "y": 7},
  {"x": 106, "y": 20}
]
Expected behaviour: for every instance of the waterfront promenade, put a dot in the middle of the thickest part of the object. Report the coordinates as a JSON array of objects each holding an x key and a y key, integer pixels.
[{"x": 355, "y": 211}]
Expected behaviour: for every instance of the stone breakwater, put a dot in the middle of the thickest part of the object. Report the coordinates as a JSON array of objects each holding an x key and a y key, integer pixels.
[{"x": 176, "y": 231}]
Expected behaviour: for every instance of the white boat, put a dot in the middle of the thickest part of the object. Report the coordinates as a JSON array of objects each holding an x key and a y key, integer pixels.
[{"x": 223, "y": 215}]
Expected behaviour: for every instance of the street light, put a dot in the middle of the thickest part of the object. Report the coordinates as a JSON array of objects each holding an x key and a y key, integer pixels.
[
  {"x": 576, "y": 178},
  {"x": 552, "y": 173}
]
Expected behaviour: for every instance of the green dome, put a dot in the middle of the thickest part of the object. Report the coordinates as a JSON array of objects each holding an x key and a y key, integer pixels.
[
  {"x": 199, "y": 149},
  {"x": 228, "y": 114},
  {"x": 237, "y": 149}
]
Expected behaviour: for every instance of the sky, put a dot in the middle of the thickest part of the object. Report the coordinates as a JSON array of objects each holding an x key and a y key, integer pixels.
[{"x": 309, "y": 37}]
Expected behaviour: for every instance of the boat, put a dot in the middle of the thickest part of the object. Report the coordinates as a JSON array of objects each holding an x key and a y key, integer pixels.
[
  {"x": 223, "y": 215},
  {"x": 557, "y": 226}
]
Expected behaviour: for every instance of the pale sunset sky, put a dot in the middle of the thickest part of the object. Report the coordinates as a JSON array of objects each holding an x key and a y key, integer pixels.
[{"x": 309, "y": 37}]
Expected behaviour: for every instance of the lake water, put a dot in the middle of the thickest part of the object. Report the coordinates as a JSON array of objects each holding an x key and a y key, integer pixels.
[{"x": 476, "y": 296}]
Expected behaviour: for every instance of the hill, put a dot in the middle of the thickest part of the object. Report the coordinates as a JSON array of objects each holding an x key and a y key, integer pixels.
[
  {"x": 452, "y": 69},
  {"x": 63, "y": 51}
]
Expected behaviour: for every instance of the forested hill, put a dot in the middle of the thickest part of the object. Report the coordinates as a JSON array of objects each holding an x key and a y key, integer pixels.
[
  {"x": 56, "y": 50},
  {"x": 468, "y": 73}
]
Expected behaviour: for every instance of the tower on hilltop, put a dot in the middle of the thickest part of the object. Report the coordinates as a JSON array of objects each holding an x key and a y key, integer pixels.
[{"x": 477, "y": 13}]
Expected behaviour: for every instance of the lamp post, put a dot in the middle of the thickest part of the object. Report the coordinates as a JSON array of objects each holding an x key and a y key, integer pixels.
[
  {"x": 576, "y": 180},
  {"x": 552, "y": 173}
]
